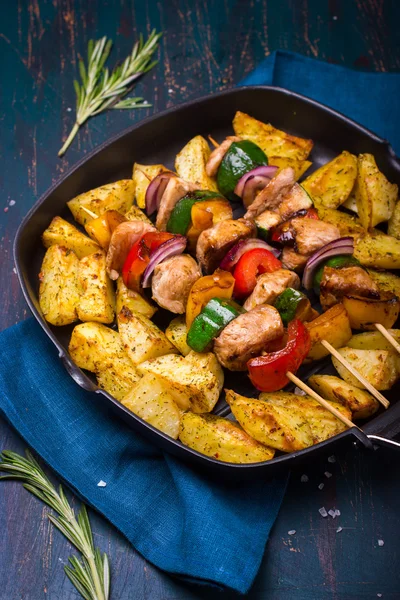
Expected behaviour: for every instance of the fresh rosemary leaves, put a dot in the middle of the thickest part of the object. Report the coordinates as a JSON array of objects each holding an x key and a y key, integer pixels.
[
  {"x": 91, "y": 575},
  {"x": 100, "y": 90}
]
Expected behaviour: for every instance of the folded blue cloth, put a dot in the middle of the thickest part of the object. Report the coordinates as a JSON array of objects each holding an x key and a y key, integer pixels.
[{"x": 176, "y": 518}]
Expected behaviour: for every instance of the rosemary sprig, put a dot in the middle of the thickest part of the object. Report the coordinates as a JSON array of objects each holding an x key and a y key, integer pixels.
[
  {"x": 91, "y": 575},
  {"x": 99, "y": 89}
]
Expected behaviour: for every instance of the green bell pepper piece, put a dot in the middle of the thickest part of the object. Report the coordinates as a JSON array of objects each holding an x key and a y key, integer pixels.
[
  {"x": 240, "y": 158},
  {"x": 336, "y": 262},
  {"x": 216, "y": 315},
  {"x": 287, "y": 304},
  {"x": 180, "y": 218}
]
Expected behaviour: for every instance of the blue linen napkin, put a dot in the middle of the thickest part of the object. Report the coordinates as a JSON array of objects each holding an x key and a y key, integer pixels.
[{"x": 176, "y": 518}]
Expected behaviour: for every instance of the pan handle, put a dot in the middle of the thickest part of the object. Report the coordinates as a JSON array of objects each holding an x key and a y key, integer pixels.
[{"x": 381, "y": 441}]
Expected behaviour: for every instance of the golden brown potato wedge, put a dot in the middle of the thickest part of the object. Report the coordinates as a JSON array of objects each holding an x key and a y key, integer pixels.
[
  {"x": 58, "y": 290},
  {"x": 394, "y": 222},
  {"x": 273, "y": 141},
  {"x": 62, "y": 233},
  {"x": 375, "y": 196},
  {"x": 299, "y": 166},
  {"x": 380, "y": 367},
  {"x": 96, "y": 292},
  {"x": 136, "y": 214},
  {"x": 117, "y": 384},
  {"x": 134, "y": 301},
  {"x": 99, "y": 349},
  {"x": 378, "y": 251},
  {"x": 221, "y": 439},
  {"x": 142, "y": 176},
  {"x": 190, "y": 164},
  {"x": 330, "y": 387},
  {"x": 142, "y": 339},
  {"x": 280, "y": 427},
  {"x": 323, "y": 425},
  {"x": 194, "y": 382},
  {"x": 347, "y": 224},
  {"x": 332, "y": 326},
  {"x": 373, "y": 340},
  {"x": 386, "y": 281},
  {"x": 176, "y": 332},
  {"x": 332, "y": 183},
  {"x": 152, "y": 402},
  {"x": 112, "y": 196}
]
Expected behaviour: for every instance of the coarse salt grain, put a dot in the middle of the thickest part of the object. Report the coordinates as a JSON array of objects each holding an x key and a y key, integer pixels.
[
  {"x": 339, "y": 529},
  {"x": 332, "y": 459},
  {"x": 337, "y": 511},
  {"x": 322, "y": 512},
  {"x": 69, "y": 109},
  {"x": 14, "y": 270},
  {"x": 327, "y": 474},
  {"x": 332, "y": 513},
  {"x": 292, "y": 532},
  {"x": 321, "y": 486},
  {"x": 299, "y": 392},
  {"x": 380, "y": 542},
  {"x": 379, "y": 595},
  {"x": 101, "y": 483},
  {"x": 11, "y": 203},
  {"x": 170, "y": 91},
  {"x": 304, "y": 479}
]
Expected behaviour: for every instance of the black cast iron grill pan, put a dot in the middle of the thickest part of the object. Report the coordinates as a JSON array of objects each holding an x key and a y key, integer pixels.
[{"x": 157, "y": 140}]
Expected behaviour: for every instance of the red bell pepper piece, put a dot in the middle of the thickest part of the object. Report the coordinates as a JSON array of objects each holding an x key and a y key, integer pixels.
[
  {"x": 268, "y": 373},
  {"x": 311, "y": 214},
  {"x": 139, "y": 257},
  {"x": 253, "y": 263}
]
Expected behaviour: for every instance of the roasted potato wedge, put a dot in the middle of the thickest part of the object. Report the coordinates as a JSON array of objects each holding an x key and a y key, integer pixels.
[
  {"x": 134, "y": 301},
  {"x": 386, "y": 281},
  {"x": 99, "y": 349},
  {"x": 273, "y": 141},
  {"x": 378, "y": 251},
  {"x": 332, "y": 183},
  {"x": 142, "y": 176},
  {"x": 62, "y": 233},
  {"x": 394, "y": 222},
  {"x": 101, "y": 228},
  {"x": 347, "y": 224},
  {"x": 322, "y": 423},
  {"x": 96, "y": 292},
  {"x": 380, "y": 367},
  {"x": 58, "y": 290},
  {"x": 136, "y": 214},
  {"x": 117, "y": 384},
  {"x": 220, "y": 438},
  {"x": 176, "y": 332},
  {"x": 112, "y": 196},
  {"x": 190, "y": 164},
  {"x": 152, "y": 402},
  {"x": 363, "y": 313},
  {"x": 194, "y": 381},
  {"x": 299, "y": 166},
  {"x": 375, "y": 196},
  {"x": 351, "y": 203},
  {"x": 360, "y": 402},
  {"x": 332, "y": 326},
  {"x": 280, "y": 427},
  {"x": 373, "y": 340},
  {"x": 142, "y": 339}
]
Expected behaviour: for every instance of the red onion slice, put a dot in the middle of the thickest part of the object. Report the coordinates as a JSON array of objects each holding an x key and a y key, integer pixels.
[
  {"x": 255, "y": 180},
  {"x": 155, "y": 191},
  {"x": 172, "y": 247},
  {"x": 338, "y": 247},
  {"x": 232, "y": 257}
]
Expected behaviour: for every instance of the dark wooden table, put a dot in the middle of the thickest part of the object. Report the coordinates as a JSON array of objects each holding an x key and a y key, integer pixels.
[{"x": 207, "y": 46}]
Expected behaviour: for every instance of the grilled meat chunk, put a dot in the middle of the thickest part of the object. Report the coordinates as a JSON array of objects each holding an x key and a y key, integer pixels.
[
  {"x": 215, "y": 242},
  {"x": 172, "y": 281},
  {"x": 218, "y": 154},
  {"x": 246, "y": 336},
  {"x": 337, "y": 283},
  {"x": 271, "y": 196},
  {"x": 269, "y": 286},
  {"x": 294, "y": 200},
  {"x": 176, "y": 189},
  {"x": 122, "y": 240},
  {"x": 310, "y": 234},
  {"x": 293, "y": 260}
]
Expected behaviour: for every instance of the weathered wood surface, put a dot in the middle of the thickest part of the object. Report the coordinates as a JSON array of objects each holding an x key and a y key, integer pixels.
[{"x": 207, "y": 46}]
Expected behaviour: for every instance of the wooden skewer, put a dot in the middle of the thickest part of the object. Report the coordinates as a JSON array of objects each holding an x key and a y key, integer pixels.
[
  {"x": 356, "y": 374},
  {"x": 89, "y": 212},
  {"x": 388, "y": 336},
  {"x": 214, "y": 143},
  {"x": 303, "y": 386}
]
